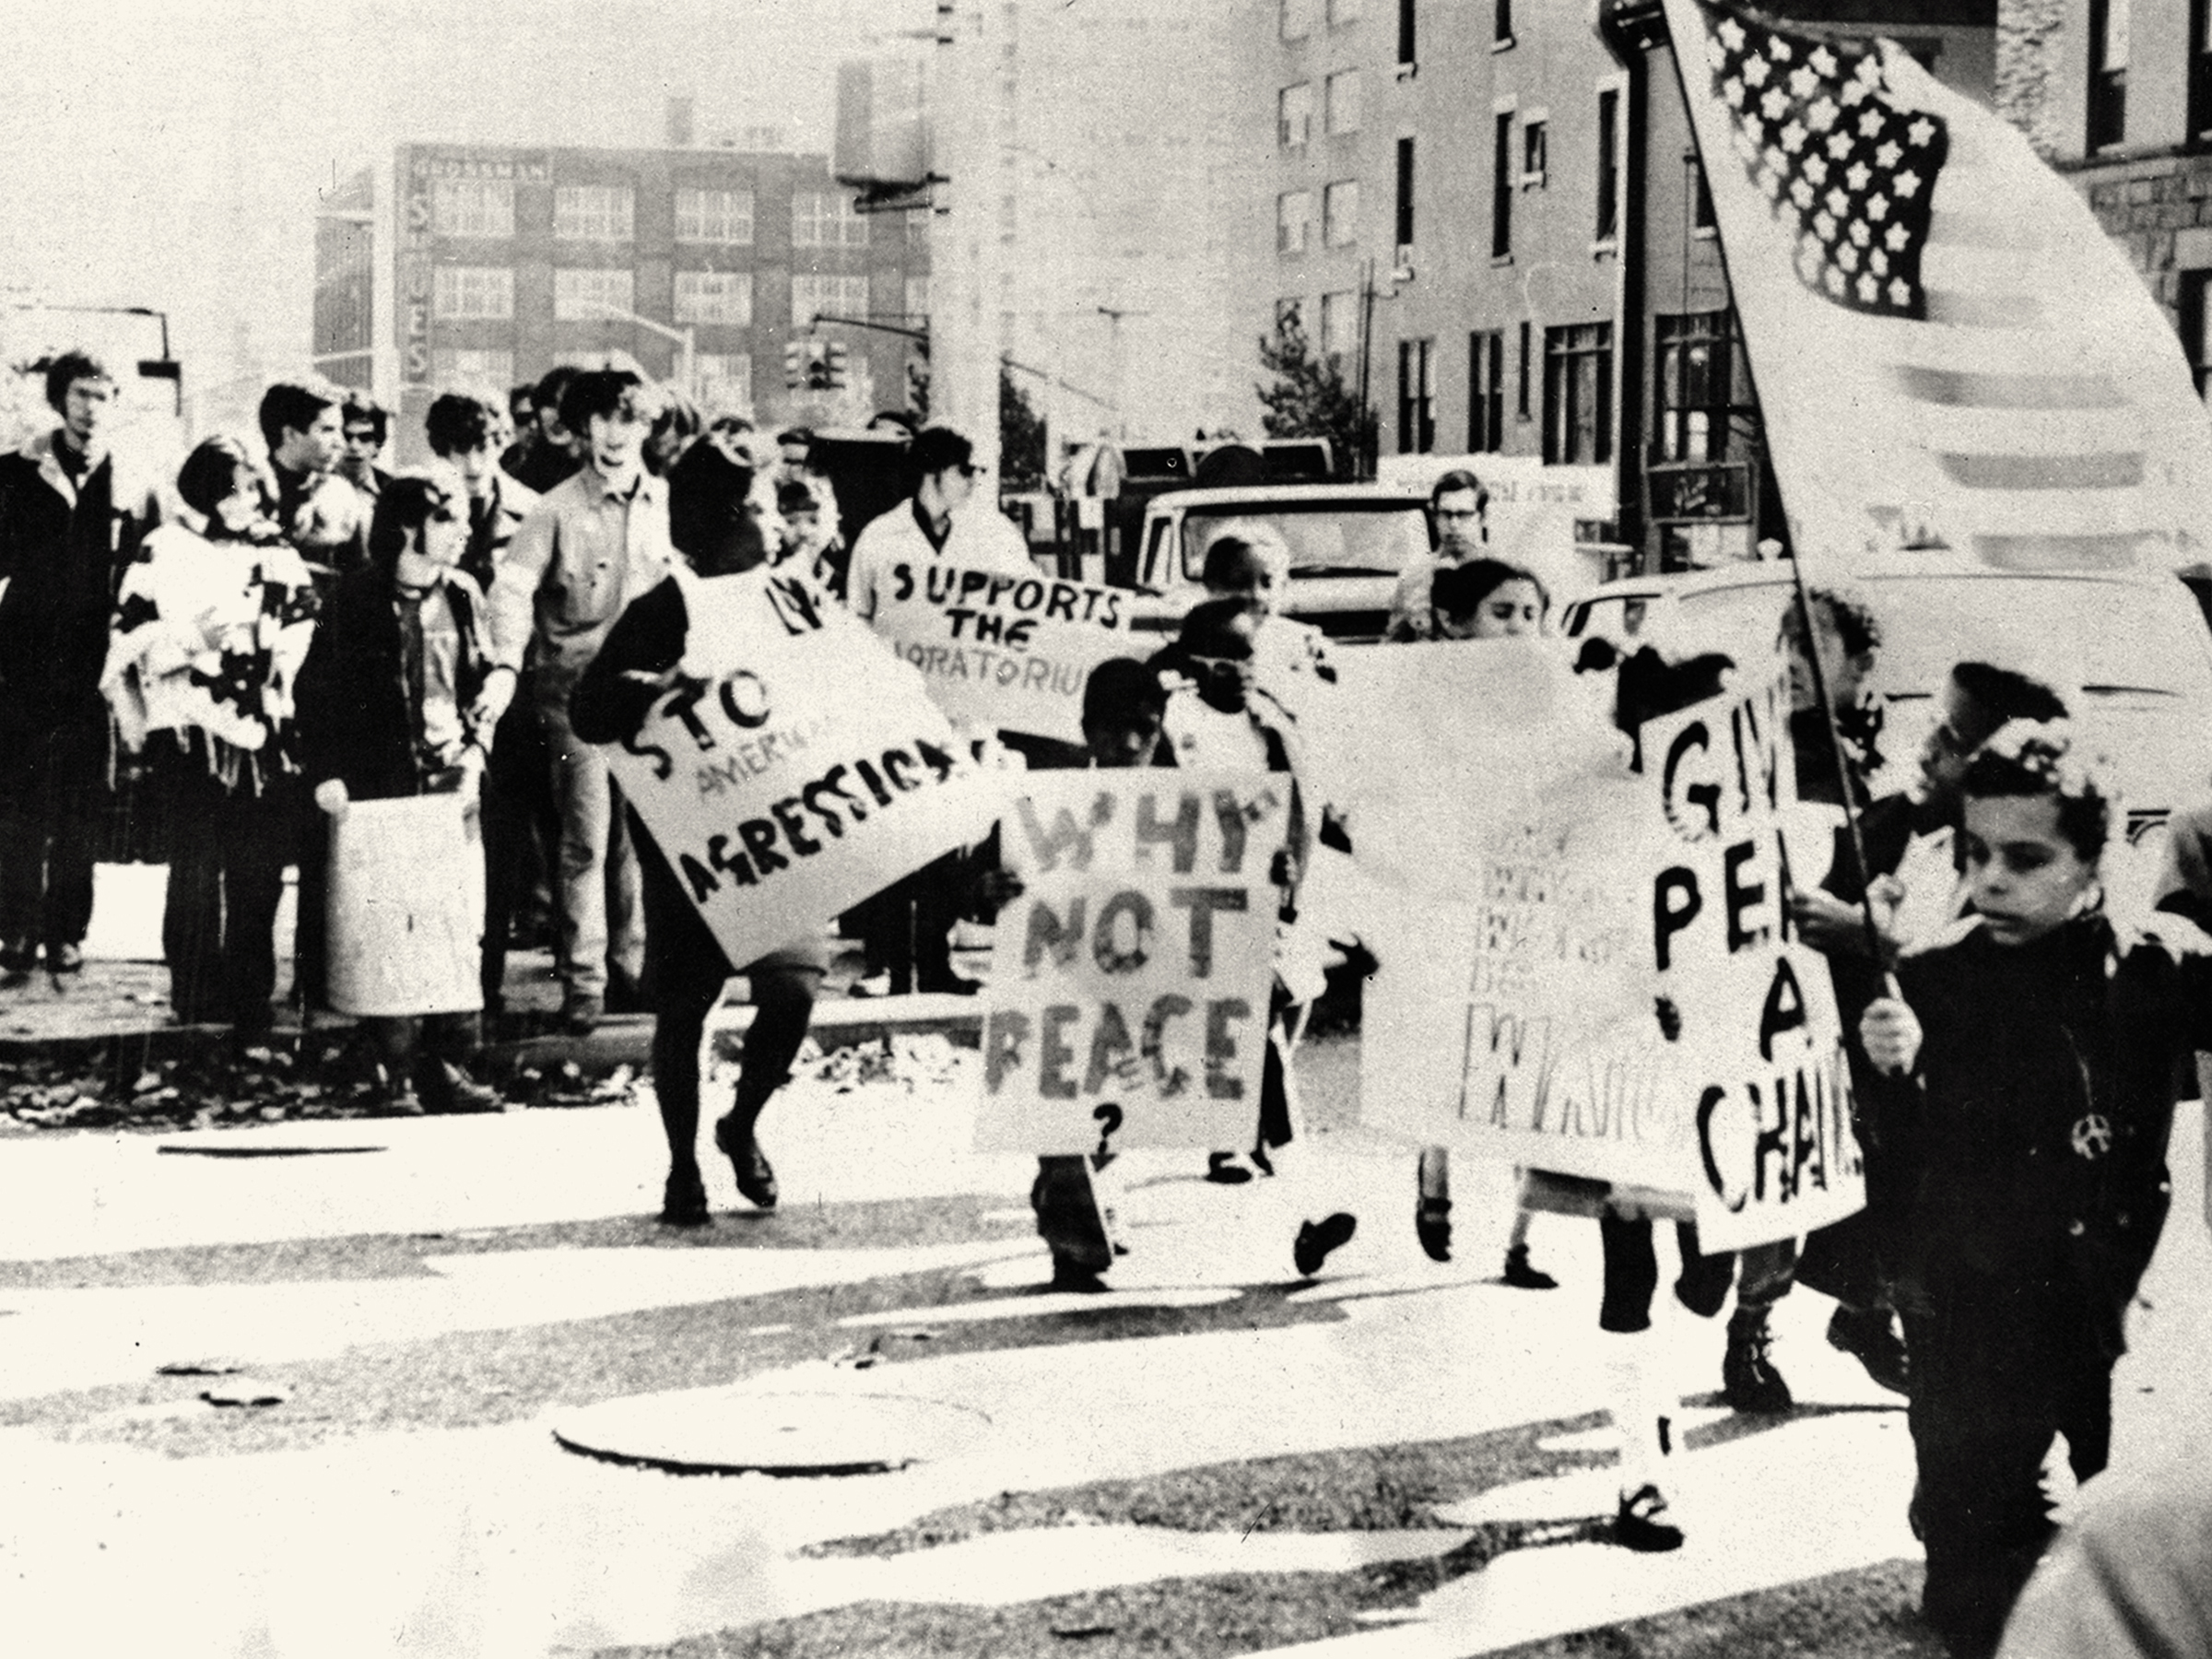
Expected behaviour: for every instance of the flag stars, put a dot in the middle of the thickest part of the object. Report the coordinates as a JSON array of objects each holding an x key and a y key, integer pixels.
[
  {"x": 1878, "y": 263},
  {"x": 1906, "y": 184},
  {"x": 1900, "y": 292},
  {"x": 1847, "y": 256},
  {"x": 1869, "y": 291},
  {"x": 1756, "y": 130},
  {"x": 1776, "y": 104},
  {"x": 1776, "y": 161},
  {"x": 1731, "y": 33},
  {"x": 1732, "y": 90},
  {"x": 1858, "y": 232},
  {"x": 1857, "y": 175},
  {"x": 1802, "y": 80},
  {"x": 1823, "y": 61},
  {"x": 1888, "y": 156},
  {"x": 1838, "y": 203},
  {"x": 1770, "y": 182},
  {"x": 1824, "y": 226},
  {"x": 1779, "y": 49},
  {"x": 1716, "y": 55},
  {"x": 1832, "y": 279},
  {"x": 1820, "y": 114},
  {"x": 1921, "y": 131},
  {"x": 1854, "y": 94},
  {"x": 1839, "y": 145},
  {"x": 1877, "y": 207},
  {"x": 1870, "y": 125},
  {"x": 1895, "y": 237},
  {"x": 1801, "y": 193},
  {"x": 1816, "y": 170},
  {"x": 1794, "y": 136},
  {"x": 1755, "y": 72}
]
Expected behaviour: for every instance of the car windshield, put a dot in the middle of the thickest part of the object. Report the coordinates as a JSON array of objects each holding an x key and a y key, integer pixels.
[
  {"x": 2111, "y": 640},
  {"x": 1325, "y": 537}
]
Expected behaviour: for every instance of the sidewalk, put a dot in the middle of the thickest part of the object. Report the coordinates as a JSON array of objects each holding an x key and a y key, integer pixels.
[{"x": 115, "y": 1016}]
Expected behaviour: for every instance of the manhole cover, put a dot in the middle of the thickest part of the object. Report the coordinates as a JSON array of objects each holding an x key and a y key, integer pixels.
[{"x": 732, "y": 1431}]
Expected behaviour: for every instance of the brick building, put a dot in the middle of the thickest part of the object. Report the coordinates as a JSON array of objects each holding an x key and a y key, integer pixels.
[
  {"x": 2118, "y": 93},
  {"x": 474, "y": 266},
  {"x": 1520, "y": 193}
]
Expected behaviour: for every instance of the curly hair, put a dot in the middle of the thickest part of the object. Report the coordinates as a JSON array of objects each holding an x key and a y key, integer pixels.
[{"x": 2030, "y": 758}]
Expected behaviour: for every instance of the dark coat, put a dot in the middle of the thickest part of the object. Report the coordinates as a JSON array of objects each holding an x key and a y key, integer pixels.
[
  {"x": 488, "y": 539},
  {"x": 357, "y": 720}
]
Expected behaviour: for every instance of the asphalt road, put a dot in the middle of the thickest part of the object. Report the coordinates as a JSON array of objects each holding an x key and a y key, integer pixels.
[{"x": 1396, "y": 1459}]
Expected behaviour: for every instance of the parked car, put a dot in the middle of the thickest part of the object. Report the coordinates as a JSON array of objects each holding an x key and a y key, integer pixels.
[
  {"x": 2131, "y": 648},
  {"x": 1349, "y": 542}
]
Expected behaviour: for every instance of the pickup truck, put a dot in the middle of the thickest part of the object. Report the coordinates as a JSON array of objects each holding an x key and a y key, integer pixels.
[{"x": 1348, "y": 545}]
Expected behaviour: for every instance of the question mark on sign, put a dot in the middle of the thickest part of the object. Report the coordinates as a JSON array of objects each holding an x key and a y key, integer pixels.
[{"x": 1109, "y": 1118}]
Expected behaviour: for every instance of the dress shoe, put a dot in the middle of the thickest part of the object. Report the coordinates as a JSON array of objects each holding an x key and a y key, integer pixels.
[
  {"x": 1317, "y": 1238},
  {"x": 446, "y": 1087},
  {"x": 1869, "y": 1336},
  {"x": 756, "y": 1180},
  {"x": 1522, "y": 1276},
  {"x": 1640, "y": 1524},
  {"x": 1748, "y": 1381},
  {"x": 684, "y": 1200}
]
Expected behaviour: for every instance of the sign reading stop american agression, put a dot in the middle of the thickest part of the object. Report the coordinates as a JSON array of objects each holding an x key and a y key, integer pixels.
[{"x": 1128, "y": 1003}]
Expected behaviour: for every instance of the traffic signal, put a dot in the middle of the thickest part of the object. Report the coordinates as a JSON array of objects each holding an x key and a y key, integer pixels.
[
  {"x": 793, "y": 360},
  {"x": 836, "y": 365},
  {"x": 818, "y": 368}
]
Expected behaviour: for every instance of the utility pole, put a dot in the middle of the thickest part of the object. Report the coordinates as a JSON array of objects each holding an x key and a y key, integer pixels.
[
  {"x": 1113, "y": 315},
  {"x": 965, "y": 254}
]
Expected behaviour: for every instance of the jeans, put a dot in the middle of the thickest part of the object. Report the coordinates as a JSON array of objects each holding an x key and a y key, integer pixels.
[
  {"x": 226, "y": 875},
  {"x": 51, "y": 797},
  {"x": 602, "y": 913}
]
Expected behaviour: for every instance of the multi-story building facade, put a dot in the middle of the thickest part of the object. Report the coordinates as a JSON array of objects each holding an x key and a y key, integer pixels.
[
  {"x": 2118, "y": 94},
  {"x": 1492, "y": 216},
  {"x": 476, "y": 266}
]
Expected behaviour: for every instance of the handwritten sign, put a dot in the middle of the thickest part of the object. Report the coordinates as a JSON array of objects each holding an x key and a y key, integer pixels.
[
  {"x": 1002, "y": 650},
  {"x": 1529, "y": 1019},
  {"x": 406, "y": 907},
  {"x": 1128, "y": 1004},
  {"x": 803, "y": 770}
]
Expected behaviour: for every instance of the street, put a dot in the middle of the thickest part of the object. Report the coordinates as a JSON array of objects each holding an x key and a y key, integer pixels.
[{"x": 1397, "y": 1459}]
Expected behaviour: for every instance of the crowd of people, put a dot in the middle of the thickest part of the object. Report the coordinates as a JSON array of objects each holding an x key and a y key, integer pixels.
[{"x": 313, "y": 632}]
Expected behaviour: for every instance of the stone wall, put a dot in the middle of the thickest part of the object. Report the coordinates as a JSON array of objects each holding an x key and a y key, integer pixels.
[{"x": 2028, "y": 35}]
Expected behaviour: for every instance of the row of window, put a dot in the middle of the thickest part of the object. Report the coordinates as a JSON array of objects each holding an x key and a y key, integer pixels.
[
  {"x": 1339, "y": 105},
  {"x": 589, "y": 293},
  {"x": 1297, "y": 17},
  {"x": 1296, "y": 21},
  {"x": 1514, "y": 166},
  {"x": 726, "y": 379},
  {"x": 484, "y": 207}
]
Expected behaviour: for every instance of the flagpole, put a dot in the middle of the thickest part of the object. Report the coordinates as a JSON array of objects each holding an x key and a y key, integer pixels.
[{"x": 1804, "y": 606}]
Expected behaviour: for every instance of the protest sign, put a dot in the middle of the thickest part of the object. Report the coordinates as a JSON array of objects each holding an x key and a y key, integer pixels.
[
  {"x": 1524, "y": 1019},
  {"x": 1128, "y": 1003},
  {"x": 406, "y": 907},
  {"x": 1002, "y": 650},
  {"x": 812, "y": 773}
]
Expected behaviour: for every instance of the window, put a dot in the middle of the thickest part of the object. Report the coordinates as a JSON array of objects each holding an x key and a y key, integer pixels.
[
  {"x": 462, "y": 369},
  {"x": 1533, "y": 142},
  {"x": 1406, "y": 32},
  {"x": 595, "y": 212},
  {"x": 714, "y": 215},
  {"x": 1294, "y": 115},
  {"x": 1609, "y": 166},
  {"x": 1339, "y": 325},
  {"x": 1297, "y": 19},
  {"x": 585, "y": 294},
  {"x": 473, "y": 207},
  {"x": 822, "y": 220},
  {"x": 1501, "y": 188},
  {"x": 458, "y": 291},
  {"x": 725, "y": 380},
  {"x": 1340, "y": 213},
  {"x": 724, "y": 297},
  {"x": 1578, "y": 394},
  {"x": 2196, "y": 339},
  {"x": 1293, "y": 213},
  {"x": 1701, "y": 194},
  {"x": 1342, "y": 12},
  {"x": 1501, "y": 22},
  {"x": 2200, "y": 68},
  {"x": 1290, "y": 313},
  {"x": 1417, "y": 397},
  {"x": 1485, "y": 390},
  {"x": 917, "y": 298},
  {"x": 1693, "y": 386},
  {"x": 1521, "y": 394},
  {"x": 1342, "y": 101},
  {"x": 826, "y": 296},
  {"x": 2108, "y": 72},
  {"x": 1404, "y": 196}
]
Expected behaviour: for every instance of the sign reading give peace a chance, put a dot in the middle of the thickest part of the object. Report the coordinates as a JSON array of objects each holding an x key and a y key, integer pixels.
[{"x": 1130, "y": 981}]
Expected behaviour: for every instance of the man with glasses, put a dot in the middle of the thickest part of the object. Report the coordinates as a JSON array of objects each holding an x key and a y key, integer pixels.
[
  {"x": 1458, "y": 509},
  {"x": 908, "y": 926}
]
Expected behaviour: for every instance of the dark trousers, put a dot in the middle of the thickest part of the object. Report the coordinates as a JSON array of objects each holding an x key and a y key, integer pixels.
[
  {"x": 226, "y": 876},
  {"x": 906, "y": 930},
  {"x": 1631, "y": 1274},
  {"x": 412, "y": 1047},
  {"x": 519, "y": 827},
  {"x": 53, "y": 792},
  {"x": 1999, "y": 1366}
]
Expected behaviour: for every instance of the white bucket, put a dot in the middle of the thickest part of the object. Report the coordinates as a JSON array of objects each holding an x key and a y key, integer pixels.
[{"x": 407, "y": 908}]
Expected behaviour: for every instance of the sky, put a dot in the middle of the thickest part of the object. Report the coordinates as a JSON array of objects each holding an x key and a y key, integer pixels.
[{"x": 167, "y": 153}]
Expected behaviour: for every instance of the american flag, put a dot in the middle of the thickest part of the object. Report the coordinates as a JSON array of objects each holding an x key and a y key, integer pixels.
[{"x": 1949, "y": 352}]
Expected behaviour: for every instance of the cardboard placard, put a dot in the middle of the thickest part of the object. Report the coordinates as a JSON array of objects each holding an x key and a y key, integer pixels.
[
  {"x": 1006, "y": 651},
  {"x": 790, "y": 788},
  {"x": 1128, "y": 1003},
  {"x": 406, "y": 907}
]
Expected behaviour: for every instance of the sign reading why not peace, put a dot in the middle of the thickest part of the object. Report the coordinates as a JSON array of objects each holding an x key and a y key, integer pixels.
[
  {"x": 810, "y": 775},
  {"x": 1129, "y": 983},
  {"x": 1002, "y": 650}
]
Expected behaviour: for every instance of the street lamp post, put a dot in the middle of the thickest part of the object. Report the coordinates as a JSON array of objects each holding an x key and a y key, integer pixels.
[{"x": 687, "y": 342}]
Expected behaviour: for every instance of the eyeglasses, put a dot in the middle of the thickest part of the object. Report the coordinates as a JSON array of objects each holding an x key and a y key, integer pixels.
[
  {"x": 968, "y": 469},
  {"x": 1214, "y": 664}
]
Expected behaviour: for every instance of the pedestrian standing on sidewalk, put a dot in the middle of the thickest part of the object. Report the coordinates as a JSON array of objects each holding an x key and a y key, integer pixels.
[
  {"x": 324, "y": 517},
  {"x": 1484, "y": 599},
  {"x": 587, "y": 549},
  {"x": 2027, "y": 1100},
  {"x": 521, "y": 830},
  {"x": 211, "y": 628},
  {"x": 72, "y": 518},
  {"x": 397, "y": 698},
  {"x": 726, "y": 520}
]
